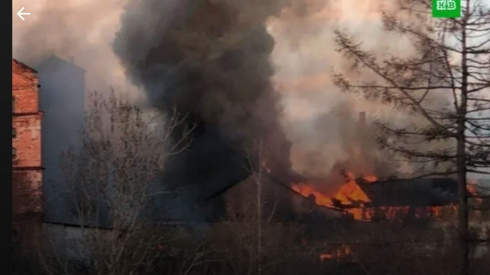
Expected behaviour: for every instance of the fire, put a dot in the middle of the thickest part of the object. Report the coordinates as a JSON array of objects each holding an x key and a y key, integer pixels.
[
  {"x": 352, "y": 199},
  {"x": 307, "y": 190},
  {"x": 472, "y": 188},
  {"x": 395, "y": 212},
  {"x": 340, "y": 252},
  {"x": 347, "y": 194},
  {"x": 350, "y": 191}
]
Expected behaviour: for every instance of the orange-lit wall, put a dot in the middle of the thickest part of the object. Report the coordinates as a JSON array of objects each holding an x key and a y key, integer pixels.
[{"x": 26, "y": 140}]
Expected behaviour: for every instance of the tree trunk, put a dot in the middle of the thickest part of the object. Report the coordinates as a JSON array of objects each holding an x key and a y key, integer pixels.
[
  {"x": 462, "y": 211},
  {"x": 259, "y": 222},
  {"x": 461, "y": 157}
]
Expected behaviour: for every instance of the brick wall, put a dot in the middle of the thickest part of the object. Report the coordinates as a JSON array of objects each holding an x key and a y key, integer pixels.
[
  {"x": 26, "y": 192},
  {"x": 25, "y": 90},
  {"x": 26, "y": 140}
]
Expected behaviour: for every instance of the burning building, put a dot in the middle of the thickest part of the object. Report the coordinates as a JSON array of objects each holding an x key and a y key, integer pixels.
[
  {"x": 211, "y": 61},
  {"x": 367, "y": 197},
  {"x": 26, "y": 141},
  {"x": 363, "y": 184}
]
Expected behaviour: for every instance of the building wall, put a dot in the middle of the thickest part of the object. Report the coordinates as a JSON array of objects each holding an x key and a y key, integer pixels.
[
  {"x": 62, "y": 99},
  {"x": 72, "y": 243},
  {"x": 25, "y": 88},
  {"x": 26, "y": 140}
]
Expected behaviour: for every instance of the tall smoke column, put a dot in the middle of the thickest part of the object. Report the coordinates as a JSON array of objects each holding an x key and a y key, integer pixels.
[{"x": 209, "y": 59}]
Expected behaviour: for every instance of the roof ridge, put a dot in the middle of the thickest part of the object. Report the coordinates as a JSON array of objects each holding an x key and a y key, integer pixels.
[
  {"x": 24, "y": 66},
  {"x": 48, "y": 61}
]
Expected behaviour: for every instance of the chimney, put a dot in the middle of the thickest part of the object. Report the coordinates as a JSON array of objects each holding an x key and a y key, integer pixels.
[{"x": 362, "y": 119}]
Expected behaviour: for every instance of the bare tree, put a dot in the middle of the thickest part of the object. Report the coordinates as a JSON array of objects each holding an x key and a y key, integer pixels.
[
  {"x": 254, "y": 238},
  {"x": 123, "y": 151},
  {"x": 445, "y": 84},
  {"x": 246, "y": 214}
]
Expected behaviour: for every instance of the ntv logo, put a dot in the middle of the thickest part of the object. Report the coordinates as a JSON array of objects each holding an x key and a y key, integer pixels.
[
  {"x": 443, "y": 5},
  {"x": 446, "y": 8}
]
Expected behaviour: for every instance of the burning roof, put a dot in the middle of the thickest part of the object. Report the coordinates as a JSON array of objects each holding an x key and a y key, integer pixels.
[{"x": 364, "y": 196}]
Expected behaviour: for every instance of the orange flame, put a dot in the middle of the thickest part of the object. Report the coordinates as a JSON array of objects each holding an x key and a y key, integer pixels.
[
  {"x": 307, "y": 190},
  {"x": 340, "y": 252},
  {"x": 472, "y": 187},
  {"x": 347, "y": 194},
  {"x": 350, "y": 193}
]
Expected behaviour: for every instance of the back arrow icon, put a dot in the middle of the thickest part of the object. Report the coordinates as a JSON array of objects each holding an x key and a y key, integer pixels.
[{"x": 20, "y": 13}]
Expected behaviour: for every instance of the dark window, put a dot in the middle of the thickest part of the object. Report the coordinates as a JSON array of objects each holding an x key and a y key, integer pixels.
[
  {"x": 14, "y": 132},
  {"x": 14, "y": 152}
]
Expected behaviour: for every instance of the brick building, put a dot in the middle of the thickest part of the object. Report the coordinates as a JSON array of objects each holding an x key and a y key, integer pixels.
[
  {"x": 26, "y": 142},
  {"x": 57, "y": 87}
]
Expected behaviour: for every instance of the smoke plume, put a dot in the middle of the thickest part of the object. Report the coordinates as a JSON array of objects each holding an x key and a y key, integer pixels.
[{"x": 211, "y": 61}]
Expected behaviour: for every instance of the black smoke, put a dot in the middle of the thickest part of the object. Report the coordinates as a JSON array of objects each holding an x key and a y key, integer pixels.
[{"x": 208, "y": 59}]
